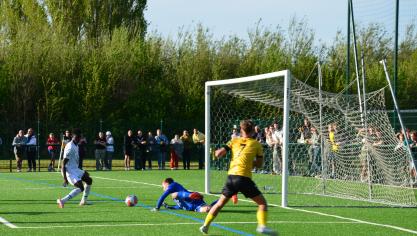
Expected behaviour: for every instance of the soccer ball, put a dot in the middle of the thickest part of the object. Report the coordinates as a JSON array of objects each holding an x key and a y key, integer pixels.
[{"x": 131, "y": 200}]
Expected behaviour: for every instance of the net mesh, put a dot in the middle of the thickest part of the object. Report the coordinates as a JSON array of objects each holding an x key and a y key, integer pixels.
[{"x": 361, "y": 157}]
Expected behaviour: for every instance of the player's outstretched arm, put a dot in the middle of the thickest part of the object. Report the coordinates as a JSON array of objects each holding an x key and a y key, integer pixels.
[{"x": 220, "y": 152}]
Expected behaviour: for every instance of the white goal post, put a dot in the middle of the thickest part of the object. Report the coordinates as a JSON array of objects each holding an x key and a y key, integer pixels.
[{"x": 287, "y": 80}]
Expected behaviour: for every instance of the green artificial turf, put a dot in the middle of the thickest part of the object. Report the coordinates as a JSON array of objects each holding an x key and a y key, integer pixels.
[{"x": 28, "y": 201}]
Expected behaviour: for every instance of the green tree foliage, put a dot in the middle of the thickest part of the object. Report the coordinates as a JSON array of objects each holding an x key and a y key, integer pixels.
[{"x": 72, "y": 63}]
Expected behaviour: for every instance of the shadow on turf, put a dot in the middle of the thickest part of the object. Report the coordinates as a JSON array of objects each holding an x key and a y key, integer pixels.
[
  {"x": 28, "y": 201},
  {"x": 359, "y": 207},
  {"x": 78, "y": 222}
]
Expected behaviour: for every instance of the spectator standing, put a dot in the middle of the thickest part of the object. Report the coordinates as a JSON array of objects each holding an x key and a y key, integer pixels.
[
  {"x": 140, "y": 144},
  {"x": 314, "y": 150},
  {"x": 259, "y": 135},
  {"x": 100, "y": 152},
  {"x": 150, "y": 143},
  {"x": 276, "y": 154},
  {"x": 31, "y": 150},
  {"x": 199, "y": 139},
  {"x": 82, "y": 151},
  {"x": 235, "y": 133},
  {"x": 109, "y": 150},
  {"x": 177, "y": 147},
  {"x": 305, "y": 130},
  {"x": 334, "y": 148},
  {"x": 186, "y": 155},
  {"x": 67, "y": 138},
  {"x": 161, "y": 148},
  {"x": 53, "y": 146},
  {"x": 19, "y": 144},
  {"x": 128, "y": 143}
]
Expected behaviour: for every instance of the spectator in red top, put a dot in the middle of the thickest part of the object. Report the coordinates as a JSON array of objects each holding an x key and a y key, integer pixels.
[{"x": 53, "y": 146}]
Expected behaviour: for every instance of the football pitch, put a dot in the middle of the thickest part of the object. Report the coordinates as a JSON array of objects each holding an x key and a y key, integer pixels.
[{"x": 28, "y": 207}]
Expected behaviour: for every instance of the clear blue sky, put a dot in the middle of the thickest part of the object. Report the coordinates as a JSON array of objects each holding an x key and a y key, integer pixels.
[{"x": 236, "y": 17}]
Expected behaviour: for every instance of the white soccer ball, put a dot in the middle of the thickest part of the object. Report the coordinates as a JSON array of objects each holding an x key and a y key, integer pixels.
[{"x": 131, "y": 200}]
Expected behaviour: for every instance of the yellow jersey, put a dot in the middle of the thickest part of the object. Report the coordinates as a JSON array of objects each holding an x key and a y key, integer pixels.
[
  {"x": 335, "y": 147},
  {"x": 244, "y": 152}
]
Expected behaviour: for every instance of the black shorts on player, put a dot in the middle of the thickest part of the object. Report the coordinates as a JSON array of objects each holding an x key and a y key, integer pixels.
[{"x": 237, "y": 183}]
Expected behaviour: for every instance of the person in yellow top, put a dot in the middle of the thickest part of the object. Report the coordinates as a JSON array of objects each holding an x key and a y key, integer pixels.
[
  {"x": 199, "y": 139},
  {"x": 246, "y": 153},
  {"x": 334, "y": 149}
]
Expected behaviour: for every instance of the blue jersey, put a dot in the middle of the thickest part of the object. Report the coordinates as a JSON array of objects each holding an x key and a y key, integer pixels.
[
  {"x": 172, "y": 188},
  {"x": 184, "y": 202}
]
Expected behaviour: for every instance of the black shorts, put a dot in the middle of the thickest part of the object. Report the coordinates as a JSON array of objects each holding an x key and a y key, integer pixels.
[{"x": 237, "y": 183}]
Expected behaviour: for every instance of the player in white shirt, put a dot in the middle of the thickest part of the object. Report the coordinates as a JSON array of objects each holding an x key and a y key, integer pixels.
[{"x": 72, "y": 174}]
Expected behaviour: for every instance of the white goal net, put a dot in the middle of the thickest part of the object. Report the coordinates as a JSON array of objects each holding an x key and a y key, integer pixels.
[{"x": 337, "y": 155}]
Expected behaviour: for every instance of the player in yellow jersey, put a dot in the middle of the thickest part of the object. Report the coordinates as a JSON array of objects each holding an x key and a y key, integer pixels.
[{"x": 246, "y": 153}]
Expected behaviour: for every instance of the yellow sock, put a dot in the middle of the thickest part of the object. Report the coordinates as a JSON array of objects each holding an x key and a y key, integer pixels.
[
  {"x": 261, "y": 216},
  {"x": 209, "y": 219}
]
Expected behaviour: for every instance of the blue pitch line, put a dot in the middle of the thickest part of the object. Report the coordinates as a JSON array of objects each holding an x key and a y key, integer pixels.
[{"x": 139, "y": 205}]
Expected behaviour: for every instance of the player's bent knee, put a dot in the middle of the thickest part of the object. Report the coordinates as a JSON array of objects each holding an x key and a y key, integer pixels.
[
  {"x": 89, "y": 181},
  {"x": 79, "y": 185}
]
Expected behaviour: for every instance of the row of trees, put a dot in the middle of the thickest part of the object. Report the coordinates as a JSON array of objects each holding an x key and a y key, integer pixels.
[{"x": 74, "y": 62}]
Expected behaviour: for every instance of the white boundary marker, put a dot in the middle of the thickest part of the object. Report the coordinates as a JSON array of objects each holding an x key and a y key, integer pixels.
[
  {"x": 7, "y": 223},
  {"x": 289, "y": 208},
  {"x": 185, "y": 223}
]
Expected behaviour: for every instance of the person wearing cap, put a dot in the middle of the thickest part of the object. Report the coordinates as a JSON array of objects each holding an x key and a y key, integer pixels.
[{"x": 109, "y": 150}]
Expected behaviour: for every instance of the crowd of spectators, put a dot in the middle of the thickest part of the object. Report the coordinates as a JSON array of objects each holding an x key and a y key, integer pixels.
[
  {"x": 140, "y": 148},
  {"x": 144, "y": 148}
]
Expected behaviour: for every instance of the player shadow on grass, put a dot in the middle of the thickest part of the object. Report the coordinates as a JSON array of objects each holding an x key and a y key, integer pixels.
[
  {"x": 27, "y": 201},
  {"x": 238, "y": 211},
  {"x": 30, "y": 213},
  {"x": 77, "y": 222},
  {"x": 359, "y": 207}
]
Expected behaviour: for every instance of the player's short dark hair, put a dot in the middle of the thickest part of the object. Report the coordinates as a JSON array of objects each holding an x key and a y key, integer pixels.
[
  {"x": 247, "y": 126},
  {"x": 169, "y": 180},
  {"x": 76, "y": 132}
]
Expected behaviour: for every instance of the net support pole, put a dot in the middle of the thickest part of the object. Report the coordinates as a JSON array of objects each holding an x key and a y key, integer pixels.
[
  {"x": 410, "y": 156},
  {"x": 207, "y": 140},
  {"x": 285, "y": 133},
  {"x": 367, "y": 139},
  {"x": 323, "y": 157}
]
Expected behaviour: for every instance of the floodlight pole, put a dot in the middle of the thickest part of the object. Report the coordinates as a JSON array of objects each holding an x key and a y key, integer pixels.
[
  {"x": 285, "y": 140},
  {"x": 207, "y": 140},
  {"x": 395, "y": 59},
  {"x": 348, "y": 49},
  {"x": 356, "y": 61},
  {"x": 410, "y": 155}
]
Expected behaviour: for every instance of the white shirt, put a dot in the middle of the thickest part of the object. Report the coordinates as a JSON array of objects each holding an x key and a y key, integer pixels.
[
  {"x": 110, "y": 144},
  {"x": 277, "y": 136},
  {"x": 71, "y": 153}
]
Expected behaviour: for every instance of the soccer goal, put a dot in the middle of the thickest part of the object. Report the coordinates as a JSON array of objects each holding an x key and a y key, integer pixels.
[{"x": 353, "y": 158}]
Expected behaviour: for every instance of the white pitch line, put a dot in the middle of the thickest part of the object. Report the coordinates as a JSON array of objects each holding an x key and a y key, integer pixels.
[
  {"x": 355, "y": 220},
  {"x": 182, "y": 223},
  {"x": 60, "y": 187},
  {"x": 296, "y": 209},
  {"x": 129, "y": 181},
  {"x": 7, "y": 223}
]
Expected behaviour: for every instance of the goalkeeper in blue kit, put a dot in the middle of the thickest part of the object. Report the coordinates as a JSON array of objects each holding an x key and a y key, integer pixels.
[{"x": 184, "y": 199}]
